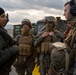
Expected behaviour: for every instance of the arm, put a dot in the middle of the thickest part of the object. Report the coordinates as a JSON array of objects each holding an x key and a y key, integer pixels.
[
  {"x": 16, "y": 39},
  {"x": 39, "y": 40},
  {"x": 59, "y": 35},
  {"x": 6, "y": 53}
]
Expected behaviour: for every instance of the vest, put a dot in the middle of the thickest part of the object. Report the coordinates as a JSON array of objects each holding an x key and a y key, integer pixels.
[{"x": 25, "y": 45}]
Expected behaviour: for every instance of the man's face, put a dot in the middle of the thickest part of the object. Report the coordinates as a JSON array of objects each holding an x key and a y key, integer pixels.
[
  {"x": 49, "y": 26},
  {"x": 3, "y": 20},
  {"x": 66, "y": 11},
  {"x": 25, "y": 28}
]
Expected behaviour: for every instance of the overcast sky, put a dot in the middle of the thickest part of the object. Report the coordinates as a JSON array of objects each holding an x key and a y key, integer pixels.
[{"x": 32, "y": 9}]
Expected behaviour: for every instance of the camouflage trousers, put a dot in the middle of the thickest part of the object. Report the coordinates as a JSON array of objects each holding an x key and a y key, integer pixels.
[
  {"x": 27, "y": 65},
  {"x": 45, "y": 63}
]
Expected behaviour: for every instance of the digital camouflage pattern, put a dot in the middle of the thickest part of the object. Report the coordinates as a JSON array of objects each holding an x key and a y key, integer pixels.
[
  {"x": 26, "y": 59},
  {"x": 43, "y": 45}
]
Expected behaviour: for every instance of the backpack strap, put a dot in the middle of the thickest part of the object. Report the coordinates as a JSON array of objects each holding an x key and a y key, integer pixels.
[{"x": 66, "y": 60}]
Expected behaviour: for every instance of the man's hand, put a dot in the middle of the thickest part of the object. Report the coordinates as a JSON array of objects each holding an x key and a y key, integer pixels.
[
  {"x": 45, "y": 34},
  {"x": 51, "y": 33}
]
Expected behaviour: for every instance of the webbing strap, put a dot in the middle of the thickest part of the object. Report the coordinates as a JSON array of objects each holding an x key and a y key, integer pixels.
[{"x": 66, "y": 60}]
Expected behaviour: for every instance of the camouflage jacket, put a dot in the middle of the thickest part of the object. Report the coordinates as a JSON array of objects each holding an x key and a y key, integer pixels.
[
  {"x": 39, "y": 39},
  {"x": 70, "y": 40}
]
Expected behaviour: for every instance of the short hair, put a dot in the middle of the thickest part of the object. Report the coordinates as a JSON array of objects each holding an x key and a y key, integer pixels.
[
  {"x": 71, "y": 3},
  {"x": 67, "y": 3}
]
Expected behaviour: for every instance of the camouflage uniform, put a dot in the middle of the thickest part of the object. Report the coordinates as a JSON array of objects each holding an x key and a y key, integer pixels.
[
  {"x": 43, "y": 44},
  {"x": 70, "y": 42},
  {"x": 71, "y": 39},
  {"x": 26, "y": 59}
]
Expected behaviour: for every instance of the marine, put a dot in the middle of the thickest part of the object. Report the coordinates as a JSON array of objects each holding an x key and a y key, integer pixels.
[
  {"x": 26, "y": 60},
  {"x": 43, "y": 43}
]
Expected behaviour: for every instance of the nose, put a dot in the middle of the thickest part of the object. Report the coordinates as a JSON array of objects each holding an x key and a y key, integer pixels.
[{"x": 5, "y": 18}]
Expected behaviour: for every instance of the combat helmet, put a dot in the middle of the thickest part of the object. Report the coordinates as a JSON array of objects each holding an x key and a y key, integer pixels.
[
  {"x": 26, "y": 21},
  {"x": 51, "y": 19}
]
